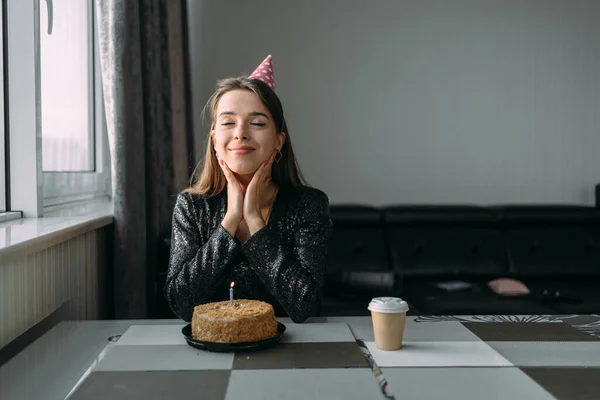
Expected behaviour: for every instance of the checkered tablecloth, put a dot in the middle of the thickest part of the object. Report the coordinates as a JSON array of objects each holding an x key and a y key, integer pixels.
[{"x": 488, "y": 357}]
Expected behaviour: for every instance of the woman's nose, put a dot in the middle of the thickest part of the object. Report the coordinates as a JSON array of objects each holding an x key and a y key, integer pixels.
[{"x": 241, "y": 133}]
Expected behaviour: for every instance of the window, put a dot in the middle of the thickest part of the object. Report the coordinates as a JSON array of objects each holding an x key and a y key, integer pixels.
[
  {"x": 66, "y": 84},
  {"x": 58, "y": 151},
  {"x": 2, "y": 136},
  {"x": 75, "y": 160},
  {"x": 58, "y": 147}
]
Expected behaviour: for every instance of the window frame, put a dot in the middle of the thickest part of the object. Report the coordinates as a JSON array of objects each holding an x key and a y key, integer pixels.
[
  {"x": 3, "y": 152},
  {"x": 51, "y": 190},
  {"x": 61, "y": 188}
]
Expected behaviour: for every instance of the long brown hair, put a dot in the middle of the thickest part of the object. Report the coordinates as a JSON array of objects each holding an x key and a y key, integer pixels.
[{"x": 211, "y": 181}]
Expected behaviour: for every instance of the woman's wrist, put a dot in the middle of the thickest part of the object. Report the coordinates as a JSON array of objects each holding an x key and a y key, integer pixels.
[
  {"x": 231, "y": 223},
  {"x": 255, "y": 224}
]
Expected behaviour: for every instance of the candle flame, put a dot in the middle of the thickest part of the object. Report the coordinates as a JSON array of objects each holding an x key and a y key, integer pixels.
[{"x": 232, "y": 283}]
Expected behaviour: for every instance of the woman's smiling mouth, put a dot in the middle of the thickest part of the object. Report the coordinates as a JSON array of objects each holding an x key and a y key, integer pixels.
[{"x": 242, "y": 149}]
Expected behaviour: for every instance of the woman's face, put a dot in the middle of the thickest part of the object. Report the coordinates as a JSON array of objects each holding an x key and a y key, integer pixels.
[{"x": 244, "y": 133}]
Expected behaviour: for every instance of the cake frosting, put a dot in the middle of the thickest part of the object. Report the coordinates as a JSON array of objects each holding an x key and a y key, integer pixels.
[{"x": 244, "y": 321}]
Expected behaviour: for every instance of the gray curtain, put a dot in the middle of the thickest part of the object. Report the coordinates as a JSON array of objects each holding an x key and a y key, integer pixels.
[{"x": 143, "y": 54}]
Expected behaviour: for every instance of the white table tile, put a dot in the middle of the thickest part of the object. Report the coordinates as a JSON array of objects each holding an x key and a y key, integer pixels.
[
  {"x": 439, "y": 354},
  {"x": 550, "y": 354}
]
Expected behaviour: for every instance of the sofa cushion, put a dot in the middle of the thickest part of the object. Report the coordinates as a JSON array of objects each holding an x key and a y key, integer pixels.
[
  {"x": 363, "y": 283},
  {"x": 558, "y": 251},
  {"x": 418, "y": 251},
  {"x": 433, "y": 240},
  {"x": 358, "y": 241},
  {"x": 552, "y": 240}
]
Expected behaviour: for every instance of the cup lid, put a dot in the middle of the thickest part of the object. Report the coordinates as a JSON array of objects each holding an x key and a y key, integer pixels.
[{"x": 389, "y": 305}]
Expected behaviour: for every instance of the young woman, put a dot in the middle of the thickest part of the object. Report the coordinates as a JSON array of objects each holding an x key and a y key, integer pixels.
[{"x": 249, "y": 218}]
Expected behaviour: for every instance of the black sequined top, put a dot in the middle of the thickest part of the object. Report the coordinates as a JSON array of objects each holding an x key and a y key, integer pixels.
[{"x": 281, "y": 264}]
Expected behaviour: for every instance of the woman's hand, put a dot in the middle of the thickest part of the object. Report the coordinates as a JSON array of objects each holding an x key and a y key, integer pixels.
[
  {"x": 235, "y": 201},
  {"x": 254, "y": 196}
]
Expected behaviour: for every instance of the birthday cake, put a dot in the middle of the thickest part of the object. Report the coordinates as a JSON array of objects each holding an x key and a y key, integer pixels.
[{"x": 244, "y": 321}]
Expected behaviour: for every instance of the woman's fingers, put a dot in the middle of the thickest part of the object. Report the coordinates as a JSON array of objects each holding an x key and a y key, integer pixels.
[
  {"x": 268, "y": 167},
  {"x": 228, "y": 174},
  {"x": 262, "y": 174},
  {"x": 258, "y": 175},
  {"x": 231, "y": 179}
]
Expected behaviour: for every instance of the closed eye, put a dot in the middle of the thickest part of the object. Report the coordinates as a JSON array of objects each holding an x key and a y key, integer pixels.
[{"x": 257, "y": 124}]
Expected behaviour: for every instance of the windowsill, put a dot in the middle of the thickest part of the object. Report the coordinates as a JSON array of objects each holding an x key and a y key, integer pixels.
[
  {"x": 23, "y": 236},
  {"x": 10, "y": 215}
]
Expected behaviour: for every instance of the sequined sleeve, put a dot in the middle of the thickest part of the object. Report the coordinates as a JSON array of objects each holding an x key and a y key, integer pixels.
[
  {"x": 295, "y": 276},
  {"x": 195, "y": 264}
]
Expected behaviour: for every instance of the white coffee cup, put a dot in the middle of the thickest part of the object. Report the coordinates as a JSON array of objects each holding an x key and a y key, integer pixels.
[{"x": 388, "y": 315}]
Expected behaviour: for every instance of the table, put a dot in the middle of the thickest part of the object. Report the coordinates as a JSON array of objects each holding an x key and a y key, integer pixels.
[{"x": 451, "y": 357}]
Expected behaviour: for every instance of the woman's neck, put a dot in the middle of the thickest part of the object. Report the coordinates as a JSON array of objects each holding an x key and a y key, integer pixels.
[
  {"x": 244, "y": 180},
  {"x": 267, "y": 194}
]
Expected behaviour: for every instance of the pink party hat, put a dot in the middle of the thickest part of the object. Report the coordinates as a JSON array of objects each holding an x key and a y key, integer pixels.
[{"x": 264, "y": 72}]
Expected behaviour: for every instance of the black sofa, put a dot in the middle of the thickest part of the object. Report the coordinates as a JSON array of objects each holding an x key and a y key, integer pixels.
[{"x": 408, "y": 251}]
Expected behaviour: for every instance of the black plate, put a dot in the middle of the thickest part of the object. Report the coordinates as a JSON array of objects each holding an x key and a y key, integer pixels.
[{"x": 232, "y": 347}]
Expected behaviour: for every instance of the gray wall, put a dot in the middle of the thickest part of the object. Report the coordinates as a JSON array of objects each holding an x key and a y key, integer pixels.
[{"x": 447, "y": 101}]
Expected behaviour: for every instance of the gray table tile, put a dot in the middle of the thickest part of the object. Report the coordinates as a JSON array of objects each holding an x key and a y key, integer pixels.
[
  {"x": 330, "y": 384},
  {"x": 164, "y": 334},
  {"x": 153, "y": 385},
  {"x": 303, "y": 355},
  {"x": 438, "y": 331},
  {"x": 528, "y": 332},
  {"x": 162, "y": 358},
  {"x": 462, "y": 383},
  {"x": 313, "y": 331},
  {"x": 311, "y": 320},
  {"x": 550, "y": 354},
  {"x": 360, "y": 327},
  {"x": 449, "y": 331},
  {"x": 52, "y": 365},
  {"x": 349, "y": 320}
]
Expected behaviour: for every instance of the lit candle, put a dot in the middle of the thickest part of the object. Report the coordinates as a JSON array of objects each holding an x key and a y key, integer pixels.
[{"x": 231, "y": 294}]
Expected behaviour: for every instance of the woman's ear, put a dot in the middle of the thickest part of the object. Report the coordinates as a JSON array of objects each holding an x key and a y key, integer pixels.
[{"x": 280, "y": 140}]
